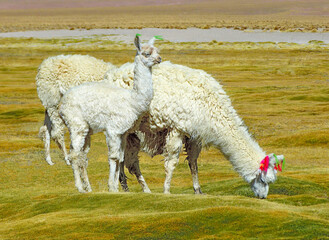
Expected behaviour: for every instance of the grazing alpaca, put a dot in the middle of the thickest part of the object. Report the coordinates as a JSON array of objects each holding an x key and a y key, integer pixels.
[
  {"x": 103, "y": 107},
  {"x": 183, "y": 99},
  {"x": 55, "y": 76},
  {"x": 190, "y": 107}
]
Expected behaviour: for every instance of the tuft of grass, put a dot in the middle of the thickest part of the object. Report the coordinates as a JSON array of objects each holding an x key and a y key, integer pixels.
[
  {"x": 302, "y": 200},
  {"x": 18, "y": 114},
  {"x": 320, "y": 98},
  {"x": 318, "y": 138}
]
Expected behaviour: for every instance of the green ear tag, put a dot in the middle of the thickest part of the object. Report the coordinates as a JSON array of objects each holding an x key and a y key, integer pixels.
[
  {"x": 276, "y": 159},
  {"x": 138, "y": 35},
  {"x": 158, "y": 37}
]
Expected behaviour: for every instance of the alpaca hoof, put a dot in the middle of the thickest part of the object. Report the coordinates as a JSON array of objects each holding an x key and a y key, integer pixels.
[
  {"x": 113, "y": 190},
  {"x": 198, "y": 191},
  {"x": 124, "y": 187},
  {"x": 67, "y": 160},
  {"x": 147, "y": 191},
  {"x": 48, "y": 160},
  {"x": 82, "y": 191}
]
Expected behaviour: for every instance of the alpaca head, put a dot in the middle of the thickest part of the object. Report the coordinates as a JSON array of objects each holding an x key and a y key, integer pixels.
[
  {"x": 148, "y": 54},
  {"x": 266, "y": 174}
]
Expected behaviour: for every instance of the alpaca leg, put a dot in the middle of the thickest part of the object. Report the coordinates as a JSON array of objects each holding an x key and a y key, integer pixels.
[
  {"x": 173, "y": 147},
  {"x": 123, "y": 178},
  {"x": 132, "y": 161},
  {"x": 78, "y": 157},
  {"x": 58, "y": 130},
  {"x": 193, "y": 149},
  {"x": 115, "y": 155},
  {"x": 84, "y": 175},
  {"x": 44, "y": 134},
  {"x": 134, "y": 169},
  {"x": 77, "y": 161},
  {"x": 113, "y": 176}
]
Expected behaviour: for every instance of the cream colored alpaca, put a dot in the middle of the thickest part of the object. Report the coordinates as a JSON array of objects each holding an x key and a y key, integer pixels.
[
  {"x": 190, "y": 107},
  {"x": 103, "y": 107}
]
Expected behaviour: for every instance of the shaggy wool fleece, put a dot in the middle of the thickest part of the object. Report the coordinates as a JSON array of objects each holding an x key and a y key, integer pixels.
[
  {"x": 57, "y": 74},
  {"x": 195, "y": 104}
]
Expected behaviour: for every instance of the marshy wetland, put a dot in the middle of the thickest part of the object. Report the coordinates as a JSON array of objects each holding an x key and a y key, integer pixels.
[{"x": 279, "y": 89}]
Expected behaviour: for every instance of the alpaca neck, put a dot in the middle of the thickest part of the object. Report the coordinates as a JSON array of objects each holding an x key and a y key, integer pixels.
[
  {"x": 143, "y": 87},
  {"x": 234, "y": 141}
]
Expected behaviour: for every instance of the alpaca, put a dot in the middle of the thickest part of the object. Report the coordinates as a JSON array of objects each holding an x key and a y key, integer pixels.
[
  {"x": 55, "y": 76},
  {"x": 103, "y": 107},
  {"x": 190, "y": 107},
  {"x": 167, "y": 127}
]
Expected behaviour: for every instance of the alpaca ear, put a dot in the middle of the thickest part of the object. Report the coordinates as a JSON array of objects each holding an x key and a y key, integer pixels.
[
  {"x": 277, "y": 161},
  {"x": 137, "y": 43},
  {"x": 280, "y": 157},
  {"x": 275, "y": 158},
  {"x": 152, "y": 40},
  {"x": 282, "y": 161}
]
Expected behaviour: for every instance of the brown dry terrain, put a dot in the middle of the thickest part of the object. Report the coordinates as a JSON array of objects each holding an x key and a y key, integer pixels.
[{"x": 295, "y": 15}]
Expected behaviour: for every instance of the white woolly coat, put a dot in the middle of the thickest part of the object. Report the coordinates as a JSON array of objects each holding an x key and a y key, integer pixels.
[
  {"x": 194, "y": 103},
  {"x": 59, "y": 73}
]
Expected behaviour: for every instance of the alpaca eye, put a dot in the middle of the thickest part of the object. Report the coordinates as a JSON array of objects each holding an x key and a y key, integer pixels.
[
  {"x": 147, "y": 54},
  {"x": 262, "y": 179}
]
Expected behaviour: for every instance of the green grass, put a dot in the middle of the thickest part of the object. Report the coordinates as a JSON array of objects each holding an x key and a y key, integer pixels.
[{"x": 281, "y": 92}]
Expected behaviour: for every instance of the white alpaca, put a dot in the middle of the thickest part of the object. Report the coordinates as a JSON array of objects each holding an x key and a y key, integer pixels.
[
  {"x": 190, "y": 107},
  {"x": 187, "y": 108},
  {"x": 55, "y": 76},
  {"x": 103, "y": 107}
]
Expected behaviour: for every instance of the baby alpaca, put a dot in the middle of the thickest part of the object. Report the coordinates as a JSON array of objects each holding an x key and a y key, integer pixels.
[{"x": 103, "y": 107}]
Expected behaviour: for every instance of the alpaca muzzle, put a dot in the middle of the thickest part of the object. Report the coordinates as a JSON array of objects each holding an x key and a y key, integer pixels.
[{"x": 158, "y": 60}]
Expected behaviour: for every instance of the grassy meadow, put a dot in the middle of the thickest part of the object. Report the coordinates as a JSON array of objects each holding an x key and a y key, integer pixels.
[{"x": 280, "y": 90}]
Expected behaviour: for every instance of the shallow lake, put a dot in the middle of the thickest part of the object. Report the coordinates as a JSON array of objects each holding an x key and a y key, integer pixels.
[{"x": 180, "y": 35}]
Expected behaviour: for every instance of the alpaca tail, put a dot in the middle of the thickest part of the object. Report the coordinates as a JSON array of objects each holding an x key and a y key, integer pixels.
[{"x": 44, "y": 134}]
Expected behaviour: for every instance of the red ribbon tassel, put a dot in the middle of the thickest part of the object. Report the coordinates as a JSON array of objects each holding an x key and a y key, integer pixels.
[
  {"x": 278, "y": 167},
  {"x": 264, "y": 164}
]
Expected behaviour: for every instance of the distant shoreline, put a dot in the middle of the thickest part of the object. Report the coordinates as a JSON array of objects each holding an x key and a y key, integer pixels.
[{"x": 178, "y": 35}]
